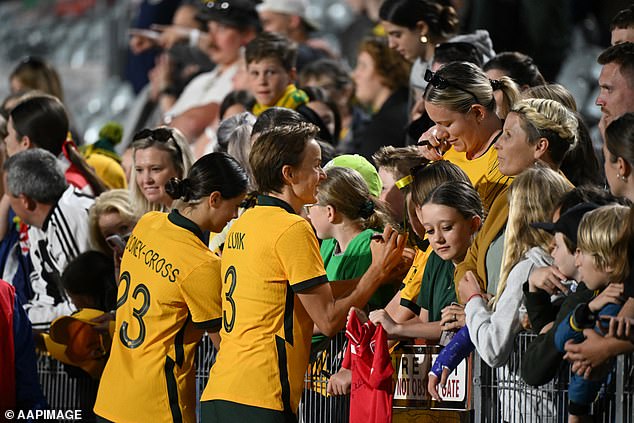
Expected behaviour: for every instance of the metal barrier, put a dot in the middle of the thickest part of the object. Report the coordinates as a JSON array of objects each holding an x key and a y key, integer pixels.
[
  {"x": 315, "y": 405},
  {"x": 501, "y": 396},
  {"x": 67, "y": 388},
  {"x": 496, "y": 395}
]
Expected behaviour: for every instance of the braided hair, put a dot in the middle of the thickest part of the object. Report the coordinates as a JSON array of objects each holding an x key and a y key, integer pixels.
[{"x": 543, "y": 118}]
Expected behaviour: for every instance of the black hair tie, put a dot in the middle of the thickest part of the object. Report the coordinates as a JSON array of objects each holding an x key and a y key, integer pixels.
[{"x": 367, "y": 209}]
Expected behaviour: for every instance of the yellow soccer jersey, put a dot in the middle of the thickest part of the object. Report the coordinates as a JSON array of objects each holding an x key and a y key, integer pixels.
[
  {"x": 169, "y": 279},
  {"x": 411, "y": 283},
  {"x": 483, "y": 172},
  {"x": 270, "y": 254}
]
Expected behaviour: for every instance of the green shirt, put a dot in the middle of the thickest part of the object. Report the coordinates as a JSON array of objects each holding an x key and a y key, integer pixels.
[
  {"x": 437, "y": 289},
  {"x": 353, "y": 263}
]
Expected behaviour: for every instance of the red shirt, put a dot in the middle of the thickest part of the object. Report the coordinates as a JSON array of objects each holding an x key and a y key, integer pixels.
[
  {"x": 369, "y": 359},
  {"x": 7, "y": 349}
]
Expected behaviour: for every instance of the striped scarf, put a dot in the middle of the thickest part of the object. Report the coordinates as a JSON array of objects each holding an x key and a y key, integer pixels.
[{"x": 291, "y": 99}]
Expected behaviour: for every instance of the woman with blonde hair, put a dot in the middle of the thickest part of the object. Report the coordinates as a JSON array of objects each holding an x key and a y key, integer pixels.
[
  {"x": 491, "y": 326},
  {"x": 111, "y": 214},
  {"x": 536, "y": 129},
  {"x": 459, "y": 99},
  {"x": 584, "y": 151},
  {"x": 158, "y": 155}
]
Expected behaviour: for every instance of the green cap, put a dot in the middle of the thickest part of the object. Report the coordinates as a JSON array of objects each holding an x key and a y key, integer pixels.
[{"x": 363, "y": 166}]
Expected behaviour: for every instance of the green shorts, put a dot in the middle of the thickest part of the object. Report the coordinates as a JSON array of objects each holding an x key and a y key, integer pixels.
[{"x": 220, "y": 411}]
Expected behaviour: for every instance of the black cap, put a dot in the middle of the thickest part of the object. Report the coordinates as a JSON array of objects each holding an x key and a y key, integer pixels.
[
  {"x": 237, "y": 13},
  {"x": 568, "y": 223}
]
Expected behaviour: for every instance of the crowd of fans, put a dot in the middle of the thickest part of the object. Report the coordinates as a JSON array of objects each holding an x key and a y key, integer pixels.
[{"x": 264, "y": 190}]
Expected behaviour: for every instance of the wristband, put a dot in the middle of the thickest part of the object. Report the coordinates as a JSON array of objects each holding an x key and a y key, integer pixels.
[{"x": 474, "y": 295}]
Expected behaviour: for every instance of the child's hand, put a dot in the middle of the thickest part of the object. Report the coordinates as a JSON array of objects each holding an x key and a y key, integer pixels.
[
  {"x": 432, "y": 383},
  {"x": 452, "y": 317},
  {"x": 468, "y": 286},
  {"x": 380, "y": 317},
  {"x": 547, "y": 279},
  {"x": 339, "y": 383},
  {"x": 613, "y": 293}
]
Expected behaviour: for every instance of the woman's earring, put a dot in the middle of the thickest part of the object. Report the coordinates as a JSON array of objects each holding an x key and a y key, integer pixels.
[
  {"x": 623, "y": 178},
  {"x": 423, "y": 39}
]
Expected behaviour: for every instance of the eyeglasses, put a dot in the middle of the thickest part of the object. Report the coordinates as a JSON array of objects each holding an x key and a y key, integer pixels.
[
  {"x": 162, "y": 135},
  {"x": 307, "y": 207},
  {"x": 441, "y": 83}
]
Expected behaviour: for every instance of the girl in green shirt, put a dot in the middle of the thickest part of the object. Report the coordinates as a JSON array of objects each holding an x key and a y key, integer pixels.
[
  {"x": 345, "y": 218},
  {"x": 451, "y": 215}
]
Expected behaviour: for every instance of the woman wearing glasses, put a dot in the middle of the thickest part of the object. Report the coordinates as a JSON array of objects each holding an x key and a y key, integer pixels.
[
  {"x": 168, "y": 292},
  {"x": 158, "y": 155}
]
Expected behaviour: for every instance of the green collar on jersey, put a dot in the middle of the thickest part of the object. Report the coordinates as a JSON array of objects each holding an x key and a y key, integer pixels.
[
  {"x": 179, "y": 220},
  {"x": 267, "y": 200}
]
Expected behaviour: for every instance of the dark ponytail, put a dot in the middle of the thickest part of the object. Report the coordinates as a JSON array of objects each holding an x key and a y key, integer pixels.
[
  {"x": 442, "y": 21},
  {"x": 212, "y": 172}
]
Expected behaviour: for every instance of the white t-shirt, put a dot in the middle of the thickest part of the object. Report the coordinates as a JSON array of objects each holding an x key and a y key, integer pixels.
[
  {"x": 64, "y": 235},
  {"x": 208, "y": 87}
]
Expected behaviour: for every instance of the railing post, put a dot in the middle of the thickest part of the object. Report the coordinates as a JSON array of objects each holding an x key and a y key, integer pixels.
[
  {"x": 620, "y": 383},
  {"x": 477, "y": 387}
]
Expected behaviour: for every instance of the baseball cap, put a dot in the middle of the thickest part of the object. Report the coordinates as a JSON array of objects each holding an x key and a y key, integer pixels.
[
  {"x": 236, "y": 13},
  {"x": 74, "y": 340},
  {"x": 361, "y": 165},
  {"x": 289, "y": 7},
  {"x": 568, "y": 222}
]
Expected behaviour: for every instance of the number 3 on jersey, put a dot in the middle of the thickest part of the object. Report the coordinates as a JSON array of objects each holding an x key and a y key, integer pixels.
[
  {"x": 137, "y": 313},
  {"x": 228, "y": 322}
]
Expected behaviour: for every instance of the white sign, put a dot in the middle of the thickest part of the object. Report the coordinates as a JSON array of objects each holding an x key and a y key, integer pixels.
[{"x": 411, "y": 380}]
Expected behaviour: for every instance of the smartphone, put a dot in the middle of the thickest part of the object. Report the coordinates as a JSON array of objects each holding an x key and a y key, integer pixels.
[{"x": 116, "y": 242}]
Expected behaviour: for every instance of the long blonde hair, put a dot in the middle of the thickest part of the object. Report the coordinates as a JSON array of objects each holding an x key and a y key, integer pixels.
[{"x": 532, "y": 198}]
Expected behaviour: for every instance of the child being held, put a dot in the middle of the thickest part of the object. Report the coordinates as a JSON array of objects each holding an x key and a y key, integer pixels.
[{"x": 602, "y": 266}]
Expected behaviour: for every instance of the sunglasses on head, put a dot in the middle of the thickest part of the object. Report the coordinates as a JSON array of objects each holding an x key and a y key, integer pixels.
[
  {"x": 162, "y": 135},
  {"x": 441, "y": 83}
]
